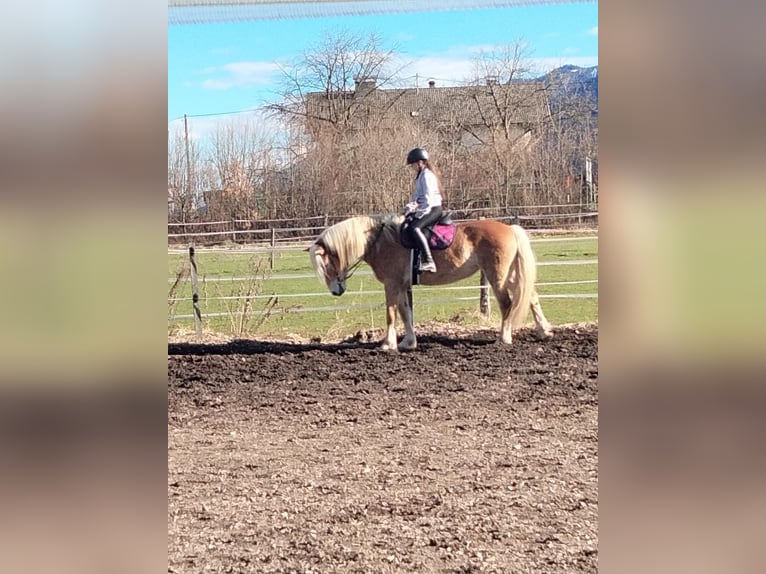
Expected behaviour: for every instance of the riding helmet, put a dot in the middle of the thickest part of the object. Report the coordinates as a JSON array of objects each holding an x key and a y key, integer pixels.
[{"x": 416, "y": 155}]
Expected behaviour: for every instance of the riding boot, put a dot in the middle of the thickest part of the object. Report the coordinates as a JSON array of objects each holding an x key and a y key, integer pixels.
[{"x": 426, "y": 260}]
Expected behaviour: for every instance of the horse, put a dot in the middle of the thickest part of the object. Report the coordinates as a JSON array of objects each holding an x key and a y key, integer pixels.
[{"x": 502, "y": 252}]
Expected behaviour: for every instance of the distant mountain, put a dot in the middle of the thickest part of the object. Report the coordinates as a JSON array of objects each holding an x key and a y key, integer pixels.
[{"x": 569, "y": 80}]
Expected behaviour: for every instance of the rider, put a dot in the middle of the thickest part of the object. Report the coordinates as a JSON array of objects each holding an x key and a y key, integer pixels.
[{"x": 426, "y": 205}]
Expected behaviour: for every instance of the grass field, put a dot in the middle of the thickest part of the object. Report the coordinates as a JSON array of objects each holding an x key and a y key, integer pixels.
[{"x": 279, "y": 302}]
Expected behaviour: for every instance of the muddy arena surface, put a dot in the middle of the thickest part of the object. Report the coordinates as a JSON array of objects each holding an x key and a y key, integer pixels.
[{"x": 463, "y": 456}]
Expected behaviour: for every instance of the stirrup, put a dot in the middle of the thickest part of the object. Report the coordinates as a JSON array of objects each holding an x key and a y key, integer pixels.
[{"x": 430, "y": 266}]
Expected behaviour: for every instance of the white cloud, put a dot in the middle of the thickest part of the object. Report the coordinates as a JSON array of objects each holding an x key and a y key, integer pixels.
[
  {"x": 456, "y": 66},
  {"x": 593, "y": 31},
  {"x": 240, "y": 75},
  {"x": 445, "y": 70}
]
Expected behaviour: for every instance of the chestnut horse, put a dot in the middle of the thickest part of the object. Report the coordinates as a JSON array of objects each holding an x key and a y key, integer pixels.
[{"x": 502, "y": 252}]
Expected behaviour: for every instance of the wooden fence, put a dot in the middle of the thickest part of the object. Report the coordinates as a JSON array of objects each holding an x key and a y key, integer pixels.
[{"x": 278, "y": 232}]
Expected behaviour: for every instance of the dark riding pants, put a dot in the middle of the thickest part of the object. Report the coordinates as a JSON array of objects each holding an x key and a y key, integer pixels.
[
  {"x": 428, "y": 219},
  {"x": 416, "y": 229}
]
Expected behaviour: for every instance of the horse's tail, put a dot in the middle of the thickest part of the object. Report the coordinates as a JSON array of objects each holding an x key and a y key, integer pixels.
[{"x": 523, "y": 277}]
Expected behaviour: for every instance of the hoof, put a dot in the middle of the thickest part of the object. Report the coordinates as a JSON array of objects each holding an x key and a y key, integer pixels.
[
  {"x": 544, "y": 335},
  {"x": 385, "y": 346},
  {"x": 505, "y": 338},
  {"x": 408, "y": 346}
]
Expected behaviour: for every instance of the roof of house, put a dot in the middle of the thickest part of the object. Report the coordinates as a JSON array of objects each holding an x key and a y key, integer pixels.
[{"x": 526, "y": 103}]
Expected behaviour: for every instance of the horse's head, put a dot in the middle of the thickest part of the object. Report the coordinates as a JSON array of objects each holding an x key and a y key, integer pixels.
[
  {"x": 327, "y": 267},
  {"x": 341, "y": 248}
]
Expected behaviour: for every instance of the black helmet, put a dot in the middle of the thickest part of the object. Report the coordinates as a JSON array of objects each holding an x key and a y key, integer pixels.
[{"x": 416, "y": 155}]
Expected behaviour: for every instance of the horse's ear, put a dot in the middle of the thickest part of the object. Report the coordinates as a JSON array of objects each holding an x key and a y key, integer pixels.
[{"x": 318, "y": 249}]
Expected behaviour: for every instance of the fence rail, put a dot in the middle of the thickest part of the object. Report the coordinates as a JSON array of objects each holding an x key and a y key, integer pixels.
[
  {"x": 292, "y": 246},
  {"x": 292, "y": 276},
  {"x": 374, "y": 292},
  {"x": 325, "y": 219},
  {"x": 366, "y": 306},
  {"x": 293, "y": 230},
  {"x": 269, "y": 231}
]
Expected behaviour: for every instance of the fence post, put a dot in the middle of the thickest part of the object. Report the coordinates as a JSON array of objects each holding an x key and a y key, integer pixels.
[
  {"x": 233, "y": 231},
  {"x": 483, "y": 295},
  {"x": 195, "y": 295},
  {"x": 483, "y": 291},
  {"x": 411, "y": 302},
  {"x": 273, "y": 245}
]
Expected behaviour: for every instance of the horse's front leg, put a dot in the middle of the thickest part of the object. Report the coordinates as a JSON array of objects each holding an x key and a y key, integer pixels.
[
  {"x": 389, "y": 342},
  {"x": 405, "y": 310}
]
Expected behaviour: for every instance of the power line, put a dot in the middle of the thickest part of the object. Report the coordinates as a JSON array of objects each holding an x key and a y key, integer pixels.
[{"x": 215, "y": 114}]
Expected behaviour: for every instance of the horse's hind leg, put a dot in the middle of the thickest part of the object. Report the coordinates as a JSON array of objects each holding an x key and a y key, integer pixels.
[
  {"x": 542, "y": 327},
  {"x": 405, "y": 310}
]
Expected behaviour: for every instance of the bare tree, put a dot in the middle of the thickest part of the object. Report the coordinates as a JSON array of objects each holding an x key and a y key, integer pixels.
[
  {"x": 332, "y": 95},
  {"x": 330, "y": 83},
  {"x": 569, "y": 141},
  {"x": 242, "y": 151},
  {"x": 505, "y": 110},
  {"x": 184, "y": 192}
]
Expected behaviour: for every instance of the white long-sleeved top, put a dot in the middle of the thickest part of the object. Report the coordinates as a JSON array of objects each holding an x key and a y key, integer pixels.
[{"x": 427, "y": 193}]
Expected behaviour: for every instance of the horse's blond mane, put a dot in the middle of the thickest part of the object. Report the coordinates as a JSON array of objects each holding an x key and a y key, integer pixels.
[{"x": 349, "y": 239}]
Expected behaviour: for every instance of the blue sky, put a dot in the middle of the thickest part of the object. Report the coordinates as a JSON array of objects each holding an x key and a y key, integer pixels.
[{"x": 230, "y": 67}]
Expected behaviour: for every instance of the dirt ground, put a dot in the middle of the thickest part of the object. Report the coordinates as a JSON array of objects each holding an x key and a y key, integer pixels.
[{"x": 463, "y": 456}]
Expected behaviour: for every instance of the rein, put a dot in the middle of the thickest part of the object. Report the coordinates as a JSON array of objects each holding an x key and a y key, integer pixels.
[{"x": 352, "y": 268}]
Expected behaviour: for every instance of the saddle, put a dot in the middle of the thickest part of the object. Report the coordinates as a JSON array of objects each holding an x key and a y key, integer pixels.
[{"x": 439, "y": 235}]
